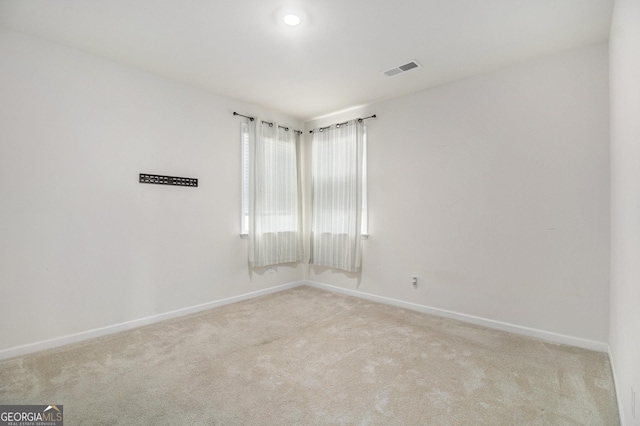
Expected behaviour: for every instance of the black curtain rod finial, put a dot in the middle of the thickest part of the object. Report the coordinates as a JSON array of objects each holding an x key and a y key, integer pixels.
[
  {"x": 360, "y": 120},
  {"x": 250, "y": 118}
]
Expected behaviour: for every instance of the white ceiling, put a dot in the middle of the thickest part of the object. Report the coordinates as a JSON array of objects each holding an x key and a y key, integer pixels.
[{"x": 333, "y": 61}]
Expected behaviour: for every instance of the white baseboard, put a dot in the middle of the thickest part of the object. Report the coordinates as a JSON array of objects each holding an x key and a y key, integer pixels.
[
  {"x": 498, "y": 325},
  {"x": 99, "y": 332},
  {"x": 103, "y": 331},
  {"x": 617, "y": 388}
]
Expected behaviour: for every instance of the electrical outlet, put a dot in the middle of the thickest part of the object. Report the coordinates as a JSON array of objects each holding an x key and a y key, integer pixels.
[{"x": 415, "y": 282}]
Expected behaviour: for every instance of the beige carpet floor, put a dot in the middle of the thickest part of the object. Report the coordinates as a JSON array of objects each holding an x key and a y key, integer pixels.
[{"x": 310, "y": 357}]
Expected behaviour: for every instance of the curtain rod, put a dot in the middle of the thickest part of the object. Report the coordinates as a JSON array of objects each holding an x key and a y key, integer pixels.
[
  {"x": 359, "y": 120},
  {"x": 267, "y": 122}
]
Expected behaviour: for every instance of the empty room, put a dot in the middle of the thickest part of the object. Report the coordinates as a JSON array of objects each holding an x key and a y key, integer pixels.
[{"x": 285, "y": 212}]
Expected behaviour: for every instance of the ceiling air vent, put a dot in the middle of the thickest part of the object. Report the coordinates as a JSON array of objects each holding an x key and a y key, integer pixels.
[{"x": 402, "y": 68}]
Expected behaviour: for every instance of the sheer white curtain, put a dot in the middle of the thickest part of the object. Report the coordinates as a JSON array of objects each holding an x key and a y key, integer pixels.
[
  {"x": 337, "y": 173},
  {"x": 275, "y": 226}
]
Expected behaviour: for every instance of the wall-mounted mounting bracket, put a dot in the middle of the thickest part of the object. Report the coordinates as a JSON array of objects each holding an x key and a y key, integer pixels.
[{"x": 168, "y": 180}]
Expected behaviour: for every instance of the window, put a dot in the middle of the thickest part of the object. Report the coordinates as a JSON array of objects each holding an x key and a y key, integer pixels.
[
  {"x": 365, "y": 205},
  {"x": 271, "y": 210},
  {"x": 244, "y": 219},
  {"x": 339, "y": 201}
]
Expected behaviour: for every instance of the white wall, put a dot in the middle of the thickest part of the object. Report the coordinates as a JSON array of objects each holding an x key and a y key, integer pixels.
[
  {"x": 494, "y": 191},
  {"x": 83, "y": 245},
  {"x": 625, "y": 204}
]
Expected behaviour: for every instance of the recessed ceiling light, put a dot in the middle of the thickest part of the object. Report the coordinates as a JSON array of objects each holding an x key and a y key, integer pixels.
[{"x": 291, "y": 19}]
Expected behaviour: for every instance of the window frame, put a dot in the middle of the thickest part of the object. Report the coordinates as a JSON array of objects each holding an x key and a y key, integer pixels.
[
  {"x": 245, "y": 177},
  {"x": 244, "y": 187},
  {"x": 244, "y": 173}
]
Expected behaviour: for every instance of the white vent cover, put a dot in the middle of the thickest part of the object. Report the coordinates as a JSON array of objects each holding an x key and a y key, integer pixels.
[{"x": 402, "y": 68}]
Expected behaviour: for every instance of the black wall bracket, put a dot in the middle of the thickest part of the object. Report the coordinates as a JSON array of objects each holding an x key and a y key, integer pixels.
[{"x": 168, "y": 180}]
